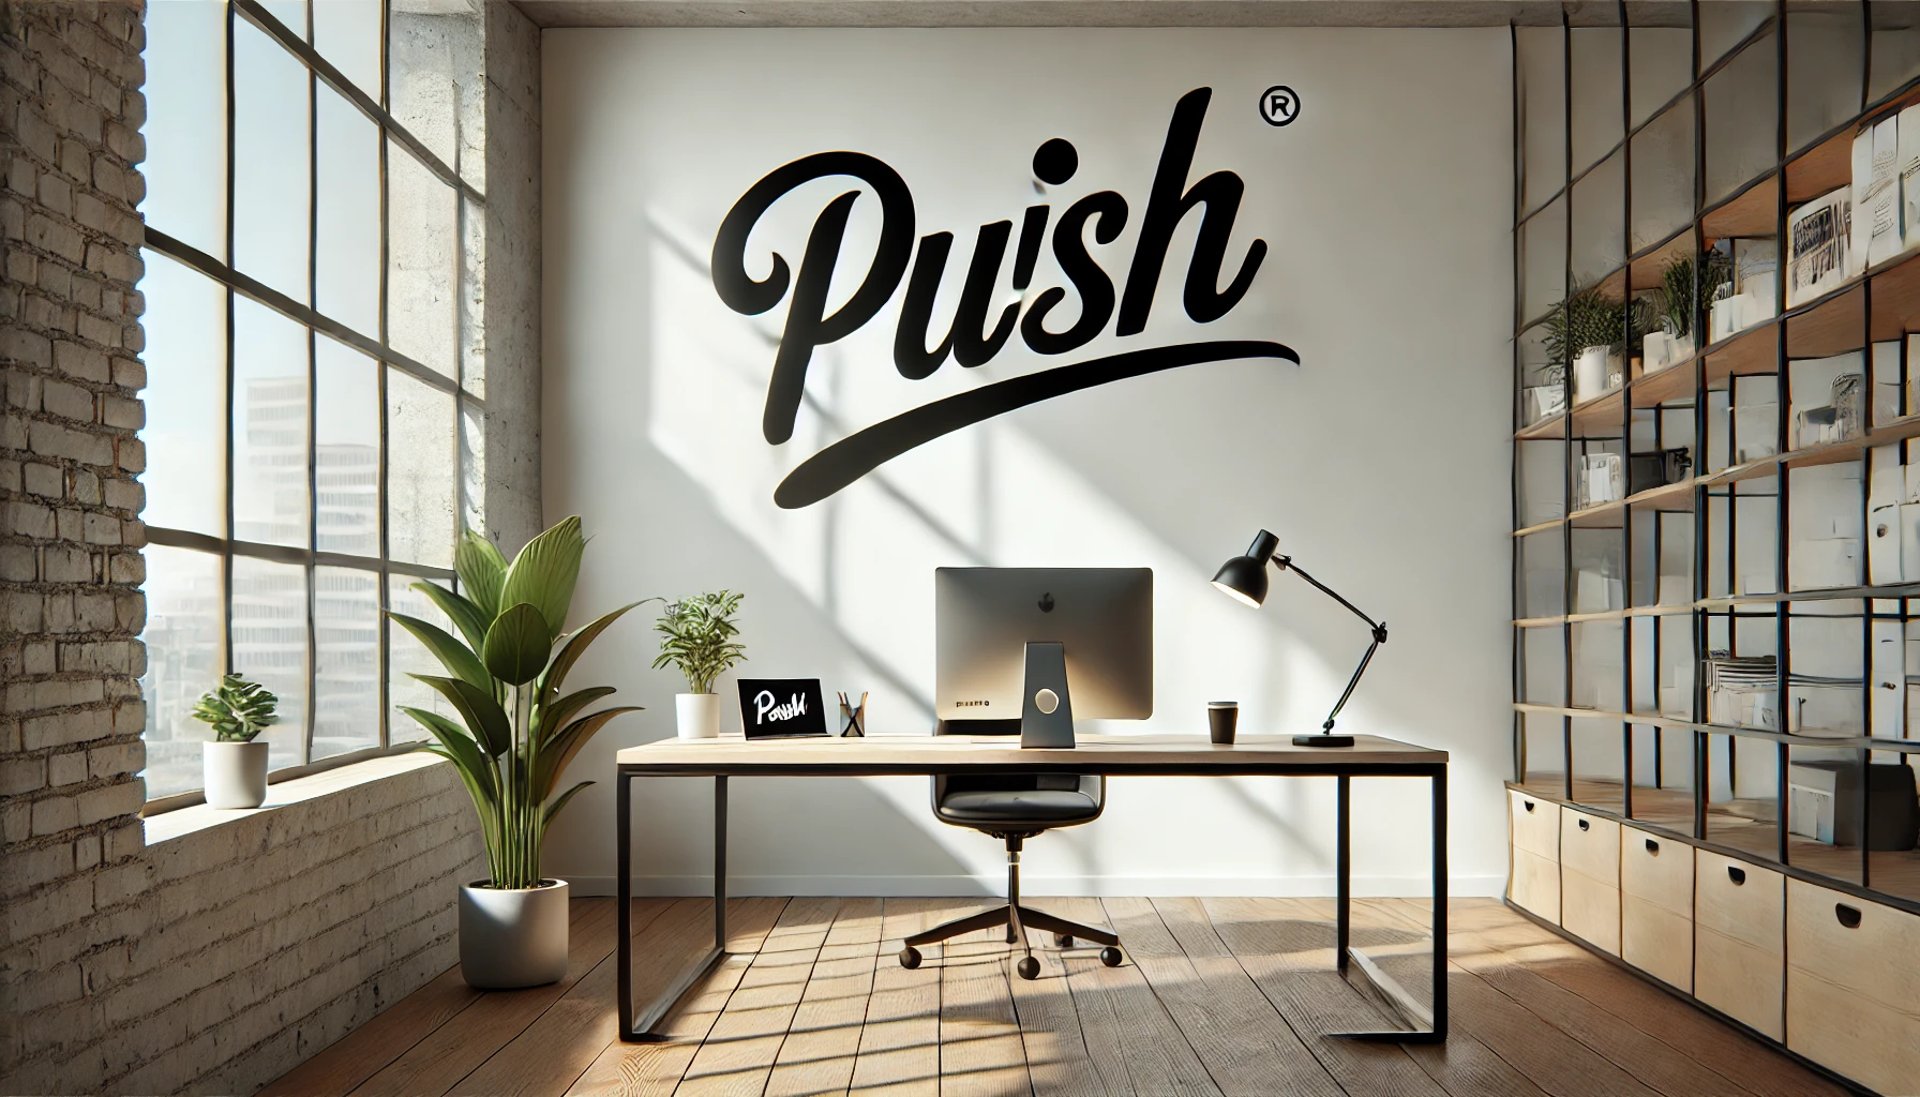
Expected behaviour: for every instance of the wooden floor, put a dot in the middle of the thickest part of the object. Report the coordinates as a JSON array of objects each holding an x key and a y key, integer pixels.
[{"x": 1217, "y": 996}]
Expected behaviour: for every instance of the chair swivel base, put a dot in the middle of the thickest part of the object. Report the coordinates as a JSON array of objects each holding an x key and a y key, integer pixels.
[{"x": 1017, "y": 919}]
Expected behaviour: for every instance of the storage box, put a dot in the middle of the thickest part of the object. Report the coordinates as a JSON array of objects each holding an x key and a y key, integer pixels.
[
  {"x": 1816, "y": 565},
  {"x": 1824, "y": 804}
]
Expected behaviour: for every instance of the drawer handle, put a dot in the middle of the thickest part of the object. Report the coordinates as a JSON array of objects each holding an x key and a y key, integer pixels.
[
  {"x": 1584, "y": 825},
  {"x": 1737, "y": 875},
  {"x": 1849, "y": 916},
  {"x": 1653, "y": 847},
  {"x": 1528, "y": 804}
]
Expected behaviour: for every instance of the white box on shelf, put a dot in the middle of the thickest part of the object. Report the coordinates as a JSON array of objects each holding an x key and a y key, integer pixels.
[
  {"x": 1595, "y": 591},
  {"x": 1676, "y": 589},
  {"x": 1755, "y": 426},
  {"x": 1544, "y": 400},
  {"x": 1910, "y": 540},
  {"x": 1885, "y": 560},
  {"x": 1828, "y": 562}
]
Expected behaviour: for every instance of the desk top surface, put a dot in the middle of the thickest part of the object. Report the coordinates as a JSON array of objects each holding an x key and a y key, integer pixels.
[{"x": 881, "y": 754}]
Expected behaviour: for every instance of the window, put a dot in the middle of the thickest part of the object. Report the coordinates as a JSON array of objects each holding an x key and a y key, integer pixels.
[{"x": 305, "y": 268}]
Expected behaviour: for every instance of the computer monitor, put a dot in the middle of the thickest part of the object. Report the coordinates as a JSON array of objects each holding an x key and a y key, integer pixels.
[{"x": 1001, "y": 633}]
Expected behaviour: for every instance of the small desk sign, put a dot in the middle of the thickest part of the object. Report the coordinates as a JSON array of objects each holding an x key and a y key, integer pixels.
[{"x": 777, "y": 708}]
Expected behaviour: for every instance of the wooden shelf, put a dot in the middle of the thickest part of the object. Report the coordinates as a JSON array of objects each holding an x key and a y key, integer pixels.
[
  {"x": 1609, "y": 515},
  {"x": 1880, "y": 305}
]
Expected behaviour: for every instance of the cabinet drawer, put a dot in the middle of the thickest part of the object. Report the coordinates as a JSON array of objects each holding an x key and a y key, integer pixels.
[
  {"x": 1657, "y": 940},
  {"x": 1657, "y": 870},
  {"x": 1740, "y": 901},
  {"x": 1853, "y": 987},
  {"x": 1591, "y": 845},
  {"x": 1741, "y": 980},
  {"x": 1535, "y": 884},
  {"x": 1739, "y": 935},
  {"x": 1535, "y": 824},
  {"x": 1590, "y": 909}
]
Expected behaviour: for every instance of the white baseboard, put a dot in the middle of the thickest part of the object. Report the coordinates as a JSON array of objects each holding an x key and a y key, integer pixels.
[{"x": 983, "y": 885}]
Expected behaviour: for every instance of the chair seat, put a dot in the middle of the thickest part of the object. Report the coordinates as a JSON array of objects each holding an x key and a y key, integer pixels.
[{"x": 1021, "y": 806}]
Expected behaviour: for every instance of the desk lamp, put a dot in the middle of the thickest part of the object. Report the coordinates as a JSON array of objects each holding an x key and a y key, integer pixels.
[{"x": 1245, "y": 578}]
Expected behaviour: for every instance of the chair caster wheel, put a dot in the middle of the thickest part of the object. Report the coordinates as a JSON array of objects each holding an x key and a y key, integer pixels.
[
  {"x": 909, "y": 957},
  {"x": 1063, "y": 940},
  {"x": 1110, "y": 956},
  {"x": 1028, "y": 967}
]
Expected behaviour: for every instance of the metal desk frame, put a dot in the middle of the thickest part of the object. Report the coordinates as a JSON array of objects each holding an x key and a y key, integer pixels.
[{"x": 1424, "y": 1024}]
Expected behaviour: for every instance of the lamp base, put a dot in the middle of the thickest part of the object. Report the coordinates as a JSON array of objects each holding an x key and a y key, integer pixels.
[{"x": 1323, "y": 740}]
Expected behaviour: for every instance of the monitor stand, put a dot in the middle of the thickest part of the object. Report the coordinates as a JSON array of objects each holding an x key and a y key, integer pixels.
[{"x": 1046, "y": 710}]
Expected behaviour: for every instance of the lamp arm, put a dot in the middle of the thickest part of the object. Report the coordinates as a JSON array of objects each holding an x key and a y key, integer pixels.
[{"x": 1285, "y": 563}]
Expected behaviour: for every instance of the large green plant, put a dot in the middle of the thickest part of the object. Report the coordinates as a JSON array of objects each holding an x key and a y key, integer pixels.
[
  {"x": 697, "y": 636},
  {"x": 517, "y": 729},
  {"x": 237, "y": 709}
]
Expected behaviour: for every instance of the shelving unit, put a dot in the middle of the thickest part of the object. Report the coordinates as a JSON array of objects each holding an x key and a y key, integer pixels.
[{"x": 1651, "y": 133}]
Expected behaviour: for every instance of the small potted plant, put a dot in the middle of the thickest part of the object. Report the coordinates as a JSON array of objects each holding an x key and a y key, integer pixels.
[
  {"x": 697, "y": 636},
  {"x": 234, "y": 767},
  {"x": 1587, "y": 332},
  {"x": 518, "y": 727}
]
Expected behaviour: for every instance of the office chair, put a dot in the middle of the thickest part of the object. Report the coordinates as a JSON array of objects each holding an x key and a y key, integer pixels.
[{"x": 1014, "y": 807}]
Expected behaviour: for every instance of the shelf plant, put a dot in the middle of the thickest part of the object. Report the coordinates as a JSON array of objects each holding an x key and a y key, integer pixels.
[
  {"x": 697, "y": 637},
  {"x": 233, "y": 765},
  {"x": 518, "y": 728}
]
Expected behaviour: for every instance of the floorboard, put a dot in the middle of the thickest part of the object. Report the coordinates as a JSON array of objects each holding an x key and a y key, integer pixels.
[
  {"x": 450, "y": 1052},
  {"x": 1056, "y": 1045},
  {"x": 824, "y": 1039},
  {"x": 981, "y": 1053},
  {"x": 1218, "y": 996},
  {"x": 1240, "y": 1038},
  {"x": 630, "y": 1070},
  {"x": 900, "y": 1039},
  {"x": 738, "y": 1053}
]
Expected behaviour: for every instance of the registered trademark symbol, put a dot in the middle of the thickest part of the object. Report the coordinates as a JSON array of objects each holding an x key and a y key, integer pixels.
[{"x": 1279, "y": 106}]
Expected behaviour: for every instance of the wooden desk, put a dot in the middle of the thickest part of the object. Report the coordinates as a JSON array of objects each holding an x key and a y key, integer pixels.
[{"x": 1109, "y": 755}]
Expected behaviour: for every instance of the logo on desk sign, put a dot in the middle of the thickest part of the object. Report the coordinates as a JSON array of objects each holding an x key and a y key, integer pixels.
[
  {"x": 973, "y": 338},
  {"x": 777, "y": 707}
]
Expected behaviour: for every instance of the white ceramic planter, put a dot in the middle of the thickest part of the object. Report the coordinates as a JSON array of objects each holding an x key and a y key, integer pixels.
[
  {"x": 1590, "y": 373},
  {"x": 234, "y": 774},
  {"x": 697, "y": 715},
  {"x": 511, "y": 938}
]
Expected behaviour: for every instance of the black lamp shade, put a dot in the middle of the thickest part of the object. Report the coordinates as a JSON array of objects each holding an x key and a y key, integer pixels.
[{"x": 1245, "y": 577}]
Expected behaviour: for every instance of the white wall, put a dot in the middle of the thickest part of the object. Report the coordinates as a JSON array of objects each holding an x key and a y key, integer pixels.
[{"x": 1381, "y": 461}]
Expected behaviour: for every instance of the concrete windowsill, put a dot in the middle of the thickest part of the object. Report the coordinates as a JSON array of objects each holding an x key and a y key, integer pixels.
[{"x": 199, "y": 817}]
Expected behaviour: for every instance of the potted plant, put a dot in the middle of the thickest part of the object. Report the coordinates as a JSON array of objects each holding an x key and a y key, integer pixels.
[
  {"x": 697, "y": 636},
  {"x": 516, "y": 733},
  {"x": 1586, "y": 332},
  {"x": 233, "y": 766}
]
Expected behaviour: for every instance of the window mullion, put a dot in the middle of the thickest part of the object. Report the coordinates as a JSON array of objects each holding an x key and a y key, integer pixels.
[{"x": 313, "y": 409}]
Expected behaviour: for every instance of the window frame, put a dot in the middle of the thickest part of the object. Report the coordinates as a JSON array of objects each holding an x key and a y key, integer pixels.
[{"x": 234, "y": 284}]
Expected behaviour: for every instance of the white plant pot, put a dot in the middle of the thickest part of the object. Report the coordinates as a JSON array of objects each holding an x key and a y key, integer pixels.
[
  {"x": 234, "y": 774},
  {"x": 513, "y": 937},
  {"x": 1590, "y": 373},
  {"x": 697, "y": 715}
]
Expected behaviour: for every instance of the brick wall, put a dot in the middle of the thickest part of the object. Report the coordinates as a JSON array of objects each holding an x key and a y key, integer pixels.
[{"x": 216, "y": 959}]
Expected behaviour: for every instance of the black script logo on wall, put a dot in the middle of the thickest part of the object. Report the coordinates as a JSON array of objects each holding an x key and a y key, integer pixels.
[{"x": 975, "y": 338}]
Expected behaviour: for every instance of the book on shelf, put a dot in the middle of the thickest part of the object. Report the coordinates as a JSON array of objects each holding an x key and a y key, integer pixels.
[
  {"x": 1819, "y": 240},
  {"x": 1876, "y": 195},
  {"x": 1910, "y": 175}
]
